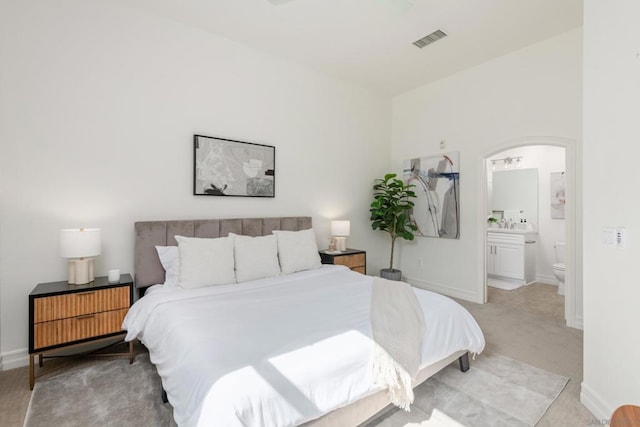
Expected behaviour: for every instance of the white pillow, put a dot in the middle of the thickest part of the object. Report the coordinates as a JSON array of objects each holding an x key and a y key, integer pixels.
[
  {"x": 256, "y": 257},
  {"x": 205, "y": 262},
  {"x": 170, "y": 260},
  {"x": 297, "y": 250}
]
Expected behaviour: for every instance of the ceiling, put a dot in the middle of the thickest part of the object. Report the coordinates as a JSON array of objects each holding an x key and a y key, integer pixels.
[{"x": 369, "y": 42}]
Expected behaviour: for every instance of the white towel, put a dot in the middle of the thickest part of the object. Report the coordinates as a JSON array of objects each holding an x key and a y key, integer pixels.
[{"x": 398, "y": 327}]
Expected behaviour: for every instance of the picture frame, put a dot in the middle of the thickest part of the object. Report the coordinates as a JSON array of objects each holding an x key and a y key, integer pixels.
[
  {"x": 558, "y": 197},
  {"x": 436, "y": 210},
  {"x": 226, "y": 167}
]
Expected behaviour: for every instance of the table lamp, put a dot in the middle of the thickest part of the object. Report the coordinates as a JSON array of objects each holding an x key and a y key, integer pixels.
[
  {"x": 80, "y": 245},
  {"x": 340, "y": 230}
]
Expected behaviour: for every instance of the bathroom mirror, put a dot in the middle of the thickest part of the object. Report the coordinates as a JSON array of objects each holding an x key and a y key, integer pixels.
[{"x": 516, "y": 191}]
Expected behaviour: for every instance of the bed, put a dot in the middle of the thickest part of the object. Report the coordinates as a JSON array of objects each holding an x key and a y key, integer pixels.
[{"x": 286, "y": 350}]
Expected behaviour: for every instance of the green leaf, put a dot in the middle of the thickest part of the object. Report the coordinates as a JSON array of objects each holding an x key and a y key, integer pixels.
[{"x": 390, "y": 209}]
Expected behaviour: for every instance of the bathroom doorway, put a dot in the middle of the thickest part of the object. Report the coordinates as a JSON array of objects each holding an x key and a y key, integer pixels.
[{"x": 526, "y": 223}]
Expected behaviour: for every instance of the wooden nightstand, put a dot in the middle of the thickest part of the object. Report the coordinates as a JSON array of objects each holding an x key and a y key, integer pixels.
[
  {"x": 62, "y": 315},
  {"x": 355, "y": 259}
]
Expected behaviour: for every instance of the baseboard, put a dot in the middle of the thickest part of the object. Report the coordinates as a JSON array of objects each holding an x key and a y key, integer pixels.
[
  {"x": 443, "y": 289},
  {"x": 575, "y": 323},
  {"x": 596, "y": 404},
  {"x": 546, "y": 279},
  {"x": 14, "y": 359}
]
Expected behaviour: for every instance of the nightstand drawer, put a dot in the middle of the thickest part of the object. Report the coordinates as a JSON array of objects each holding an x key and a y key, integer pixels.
[
  {"x": 80, "y": 303},
  {"x": 355, "y": 259},
  {"x": 62, "y": 331},
  {"x": 351, "y": 261}
]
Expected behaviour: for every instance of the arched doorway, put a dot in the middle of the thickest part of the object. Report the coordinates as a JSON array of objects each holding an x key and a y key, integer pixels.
[{"x": 573, "y": 280}]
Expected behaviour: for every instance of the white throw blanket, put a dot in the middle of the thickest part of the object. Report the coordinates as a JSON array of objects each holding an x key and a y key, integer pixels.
[{"x": 398, "y": 328}]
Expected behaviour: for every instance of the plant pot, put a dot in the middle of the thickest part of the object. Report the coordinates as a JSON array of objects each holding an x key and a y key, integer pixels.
[{"x": 394, "y": 274}]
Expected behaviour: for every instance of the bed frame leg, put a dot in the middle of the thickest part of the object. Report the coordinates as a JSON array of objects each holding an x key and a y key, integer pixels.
[
  {"x": 164, "y": 397},
  {"x": 464, "y": 362}
]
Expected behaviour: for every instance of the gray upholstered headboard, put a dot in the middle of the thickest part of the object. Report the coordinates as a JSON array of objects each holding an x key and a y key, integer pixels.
[{"x": 149, "y": 234}]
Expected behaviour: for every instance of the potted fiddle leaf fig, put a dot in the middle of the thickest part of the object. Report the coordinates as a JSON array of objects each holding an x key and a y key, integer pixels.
[{"x": 390, "y": 212}]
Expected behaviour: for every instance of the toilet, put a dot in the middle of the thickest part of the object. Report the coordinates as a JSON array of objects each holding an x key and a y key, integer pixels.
[{"x": 559, "y": 266}]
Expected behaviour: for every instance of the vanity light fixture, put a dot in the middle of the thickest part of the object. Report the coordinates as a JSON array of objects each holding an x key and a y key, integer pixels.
[{"x": 507, "y": 162}]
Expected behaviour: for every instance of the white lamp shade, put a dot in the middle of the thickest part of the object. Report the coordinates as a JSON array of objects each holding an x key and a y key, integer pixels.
[
  {"x": 340, "y": 228},
  {"x": 80, "y": 242}
]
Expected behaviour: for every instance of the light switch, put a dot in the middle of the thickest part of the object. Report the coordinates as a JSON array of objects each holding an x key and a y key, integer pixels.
[{"x": 609, "y": 236}]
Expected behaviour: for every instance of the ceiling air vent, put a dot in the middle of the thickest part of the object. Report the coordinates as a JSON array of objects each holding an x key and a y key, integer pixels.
[{"x": 433, "y": 37}]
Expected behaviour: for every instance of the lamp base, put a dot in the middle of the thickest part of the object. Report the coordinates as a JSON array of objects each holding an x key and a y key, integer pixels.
[
  {"x": 341, "y": 243},
  {"x": 81, "y": 271}
]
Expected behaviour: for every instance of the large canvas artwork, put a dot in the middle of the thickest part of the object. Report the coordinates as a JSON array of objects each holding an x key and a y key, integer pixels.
[
  {"x": 437, "y": 186},
  {"x": 224, "y": 167}
]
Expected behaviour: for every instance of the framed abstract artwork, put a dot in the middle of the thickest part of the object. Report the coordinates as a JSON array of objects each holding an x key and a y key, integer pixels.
[
  {"x": 437, "y": 186},
  {"x": 224, "y": 167}
]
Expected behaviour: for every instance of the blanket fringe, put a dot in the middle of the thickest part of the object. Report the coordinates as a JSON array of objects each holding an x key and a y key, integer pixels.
[{"x": 388, "y": 373}]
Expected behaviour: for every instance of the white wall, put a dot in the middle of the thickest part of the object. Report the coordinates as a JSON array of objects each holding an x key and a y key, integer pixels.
[
  {"x": 546, "y": 159},
  {"x": 535, "y": 91},
  {"x": 611, "y": 137},
  {"x": 98, "y": 110}
]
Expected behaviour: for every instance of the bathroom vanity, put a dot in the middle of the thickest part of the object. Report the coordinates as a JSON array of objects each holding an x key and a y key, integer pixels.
[{"x": 511, "y": 254}]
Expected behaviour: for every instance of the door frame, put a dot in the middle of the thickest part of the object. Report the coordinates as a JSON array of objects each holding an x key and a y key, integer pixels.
[{"x": 573, "y": 280}]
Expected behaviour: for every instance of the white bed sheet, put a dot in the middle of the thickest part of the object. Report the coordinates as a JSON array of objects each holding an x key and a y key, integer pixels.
[{"x": 278, "y": 351}]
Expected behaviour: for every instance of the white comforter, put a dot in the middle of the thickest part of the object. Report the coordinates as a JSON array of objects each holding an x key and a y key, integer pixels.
[{"x": 278, "y": 351}]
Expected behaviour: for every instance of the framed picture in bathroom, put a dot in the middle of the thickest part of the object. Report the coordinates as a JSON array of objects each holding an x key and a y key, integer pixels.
[
  {"x": 225, "y": 167},
  {"x": 557, "y": 195}
]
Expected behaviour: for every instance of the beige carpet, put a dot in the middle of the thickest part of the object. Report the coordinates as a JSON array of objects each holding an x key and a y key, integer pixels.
[
  {"x": 537, "y": 298},
  {"x": 14, "y": 396}
]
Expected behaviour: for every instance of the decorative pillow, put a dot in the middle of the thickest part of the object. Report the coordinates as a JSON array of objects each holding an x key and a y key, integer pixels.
[
  {"x": 297, "y": 250},
  {"x": 170, "y": 260},
  {"x": 205, "y": 262},
  {"x": 256, "y": 257}
]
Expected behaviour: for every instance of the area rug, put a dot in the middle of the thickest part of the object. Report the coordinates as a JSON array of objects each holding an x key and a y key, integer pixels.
[
  {"x": 496, "y": 391},
  {"x": 100, "y": 392}
]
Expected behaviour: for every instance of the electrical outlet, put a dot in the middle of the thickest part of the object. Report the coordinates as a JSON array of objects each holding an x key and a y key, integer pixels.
[
  {"x": 420, "y": 262},
  {"x": 443, "y": 144}
]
